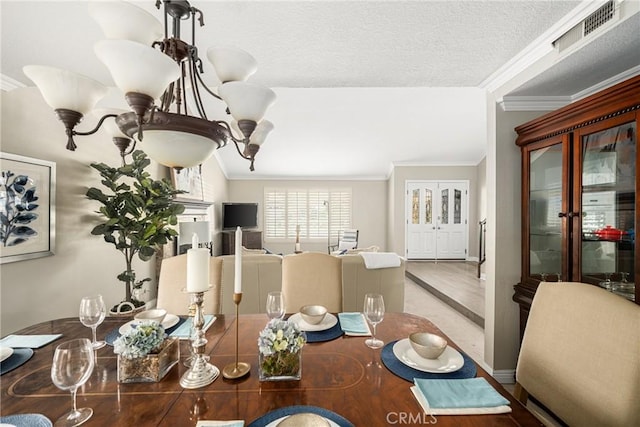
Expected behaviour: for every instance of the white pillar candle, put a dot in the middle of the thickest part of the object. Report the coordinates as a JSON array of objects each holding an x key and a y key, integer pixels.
[
  {"x": 237, "y": 285},
  {"x": 197, "y": 267}
]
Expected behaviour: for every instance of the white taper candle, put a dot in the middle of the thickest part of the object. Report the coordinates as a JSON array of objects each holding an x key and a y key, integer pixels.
[{"x": 237, "y": 284}]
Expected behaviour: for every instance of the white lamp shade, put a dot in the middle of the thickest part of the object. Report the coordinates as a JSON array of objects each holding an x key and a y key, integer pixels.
[
  {"x": 261, "y": 132},
  {"x": 176, "y": 149},
  {"x": 109, "y": 125},
  {"x": 125, "y": 21},
  {"x": 136, "y": 67},
  {"x": 65, "y": 89},
  {"x": 231, "y": 64},
  {"x": 247, "y": 101}
]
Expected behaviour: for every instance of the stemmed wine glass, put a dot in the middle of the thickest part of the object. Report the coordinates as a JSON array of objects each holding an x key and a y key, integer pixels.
[
  {"x": 374, "y": 312},
  {"x": 275, "y": 305},
  {"x": 73, "y": 363},
  {"x": 92, "y": 313}
]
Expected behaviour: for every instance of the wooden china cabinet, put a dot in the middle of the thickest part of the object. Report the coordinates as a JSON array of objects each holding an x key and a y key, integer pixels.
[{"x": 579, "y": 187}]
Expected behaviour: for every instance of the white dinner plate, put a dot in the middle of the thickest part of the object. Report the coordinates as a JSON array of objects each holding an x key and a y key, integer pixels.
[
  {"x": 449, "y": 361},
  {"x": 279, "y": 420},
  {"x": 169, "y": 321},
  {"x": 328, "y": 322},
  {"x": 5, "y": 353}
]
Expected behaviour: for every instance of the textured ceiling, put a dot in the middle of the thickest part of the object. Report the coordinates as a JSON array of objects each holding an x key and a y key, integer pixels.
[{"x": 361, "y": 84}]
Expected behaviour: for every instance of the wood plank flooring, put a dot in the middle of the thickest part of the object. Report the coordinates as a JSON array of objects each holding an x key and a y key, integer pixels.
[{"x": 453, "y": 282}]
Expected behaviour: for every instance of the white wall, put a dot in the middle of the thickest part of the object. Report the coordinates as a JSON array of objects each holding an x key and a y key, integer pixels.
[
  {"x": 37, "y": 290},
  {"x": 503, "y": 238},
  {"x": 369, "y": 213}
]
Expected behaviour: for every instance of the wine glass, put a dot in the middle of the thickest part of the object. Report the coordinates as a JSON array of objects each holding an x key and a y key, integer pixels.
[
  {"x": 92, "y": 313},
  {"x": 73, "y": 363},
  {"x": 275, "y": 305},
  {"x": 374, "y": 312}
]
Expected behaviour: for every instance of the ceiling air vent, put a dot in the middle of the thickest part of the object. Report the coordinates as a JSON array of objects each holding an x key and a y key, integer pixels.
[
  {"x": 605, "y": 14},
  {"x": 601, "y": 16}
]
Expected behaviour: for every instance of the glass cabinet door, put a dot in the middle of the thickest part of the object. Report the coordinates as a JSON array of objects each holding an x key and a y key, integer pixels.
[
  {"x": 608, "y": 214},
  {"x": 546, "y": 203}
]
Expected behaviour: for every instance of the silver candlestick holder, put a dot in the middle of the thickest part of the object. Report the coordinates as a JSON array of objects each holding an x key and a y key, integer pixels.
[{"x": 201, "y": 372}]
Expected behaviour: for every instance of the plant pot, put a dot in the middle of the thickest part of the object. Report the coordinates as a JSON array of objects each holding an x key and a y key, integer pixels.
[
  {"x": 129, "y": 313},
  {"x": 152, "y": 367},
  {"x": 280, "y": 366}
]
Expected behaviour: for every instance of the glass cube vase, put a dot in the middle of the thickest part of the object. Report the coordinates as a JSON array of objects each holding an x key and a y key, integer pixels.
[
  {"x": 152, "y": 367},
  {"x": 280, "y": 366}
]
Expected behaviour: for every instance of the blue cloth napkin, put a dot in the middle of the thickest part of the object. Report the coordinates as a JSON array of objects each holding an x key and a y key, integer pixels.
[
  {"x": 28, "y": 341},
  {"x": 463, "y": 393},
  {"x": 234, "y": 423},
  {"x": 353, "y": 324},
  {"x": 184, "y": 330}
]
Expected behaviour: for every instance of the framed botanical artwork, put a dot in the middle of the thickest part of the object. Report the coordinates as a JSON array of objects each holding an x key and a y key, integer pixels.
[
  {"x": 27, "y": 208},
  {"x": 188, "y": 180}
]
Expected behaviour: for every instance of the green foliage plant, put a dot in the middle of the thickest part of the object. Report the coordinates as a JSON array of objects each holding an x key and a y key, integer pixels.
[{"x": 138, "y": 214}]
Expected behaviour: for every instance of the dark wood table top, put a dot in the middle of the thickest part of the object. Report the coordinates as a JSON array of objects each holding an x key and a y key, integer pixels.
[{"x": 342, "y": 375}]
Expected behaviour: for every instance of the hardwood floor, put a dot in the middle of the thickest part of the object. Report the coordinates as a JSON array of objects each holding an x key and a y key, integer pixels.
[{"x": 453, "y": 282}]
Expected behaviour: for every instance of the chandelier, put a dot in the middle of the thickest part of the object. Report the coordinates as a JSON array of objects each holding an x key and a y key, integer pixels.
[{"x": 160, "y": 76}]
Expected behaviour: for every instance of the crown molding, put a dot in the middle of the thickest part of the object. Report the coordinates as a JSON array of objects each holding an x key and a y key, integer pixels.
[
  {"x": 541, "y": 46},
  {"x": 7, "y": 83},
  {"x": 534, "y": 103},
  {"x": 551, "y": 103}
]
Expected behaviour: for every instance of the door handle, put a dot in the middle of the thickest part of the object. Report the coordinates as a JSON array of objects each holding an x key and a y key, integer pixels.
[{"x": 573, "y": 214}]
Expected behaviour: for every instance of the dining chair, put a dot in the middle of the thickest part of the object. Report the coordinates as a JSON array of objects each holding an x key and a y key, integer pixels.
[
  {"x": 312, "y": 278},
  {"x": 173, "y": 279},
  {"x": 580, "y": 355}
]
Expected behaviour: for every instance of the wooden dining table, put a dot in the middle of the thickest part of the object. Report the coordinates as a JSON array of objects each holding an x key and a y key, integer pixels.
[{"x": 342, "y": 375}]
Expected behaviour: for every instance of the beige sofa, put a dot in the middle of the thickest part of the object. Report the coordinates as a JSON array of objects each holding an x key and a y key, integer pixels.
[{"x": 263, "y": 273}]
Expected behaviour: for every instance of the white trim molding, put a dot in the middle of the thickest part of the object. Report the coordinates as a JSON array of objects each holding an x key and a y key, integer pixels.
[{"x": 7, "y": 83}]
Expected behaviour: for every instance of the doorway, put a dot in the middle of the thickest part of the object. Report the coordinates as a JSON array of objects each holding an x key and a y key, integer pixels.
[{"x": 437, "y": 219}]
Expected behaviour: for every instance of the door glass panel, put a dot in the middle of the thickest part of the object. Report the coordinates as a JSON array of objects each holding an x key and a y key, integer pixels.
[
  {"x": 457, "y": 206},
  {"x": 415, "y": 207},
  {"x": 428, "y": 206},
  {"x": 445, "y": 207},
  {"x": 608, "y": 209},
  {"x": 545, "y": 203}
]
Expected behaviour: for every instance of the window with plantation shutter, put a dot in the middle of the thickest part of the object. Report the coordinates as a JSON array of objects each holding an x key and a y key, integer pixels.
[{"x": 317, "y": 212}]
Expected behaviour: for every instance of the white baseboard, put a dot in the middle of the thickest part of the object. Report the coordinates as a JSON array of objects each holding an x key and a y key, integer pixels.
[
  {"x": 505, "y": 376},
  {"x": 472, "y": 258}
]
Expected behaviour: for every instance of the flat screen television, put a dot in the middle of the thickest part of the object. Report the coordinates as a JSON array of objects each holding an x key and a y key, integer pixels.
[{"x": 243, "y": 215}]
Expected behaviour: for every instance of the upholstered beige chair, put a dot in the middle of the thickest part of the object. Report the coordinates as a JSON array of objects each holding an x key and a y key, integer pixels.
[
  {"x": 173, "y": 278},
  {"x": 312, "y": 278},
  {"x": 261, "y": 274},
  {"x": 580, "y": 355}
]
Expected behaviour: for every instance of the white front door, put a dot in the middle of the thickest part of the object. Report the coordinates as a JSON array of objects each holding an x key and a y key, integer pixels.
[{"x": 437, "y": 219}]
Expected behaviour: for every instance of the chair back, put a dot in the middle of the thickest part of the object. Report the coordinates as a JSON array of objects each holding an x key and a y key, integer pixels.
[
  {"x": 312, "y": 278},
  {"x": 349, "y": 240},
  {"x": 580, "y": 355},
  {"x": 173, "y": 279}
]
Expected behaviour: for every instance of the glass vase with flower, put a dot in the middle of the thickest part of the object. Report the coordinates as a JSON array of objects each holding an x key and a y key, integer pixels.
[{"x": 280, "y": 351}]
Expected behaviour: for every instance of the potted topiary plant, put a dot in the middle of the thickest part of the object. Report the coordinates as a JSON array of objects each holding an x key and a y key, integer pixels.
[{"x": 138, "y": 213}]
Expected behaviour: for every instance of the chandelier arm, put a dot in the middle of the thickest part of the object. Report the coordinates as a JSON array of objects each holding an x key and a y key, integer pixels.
[
  {"x": 94, "y": 130},
  {"x": 207, "y": 89},
  {"x": 233, "y": 138},
  {"x": 195, "y": 90}
]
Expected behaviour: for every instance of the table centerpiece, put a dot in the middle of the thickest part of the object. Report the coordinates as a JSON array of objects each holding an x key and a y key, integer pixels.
[
  {"x": 145, "y": 354},
  {"x": 280, "y": 351}
]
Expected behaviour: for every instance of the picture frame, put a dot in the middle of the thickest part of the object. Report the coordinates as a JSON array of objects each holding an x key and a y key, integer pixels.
[
  {"x": 188, "y": 180},
  {"x": 27, "y": 208}
]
